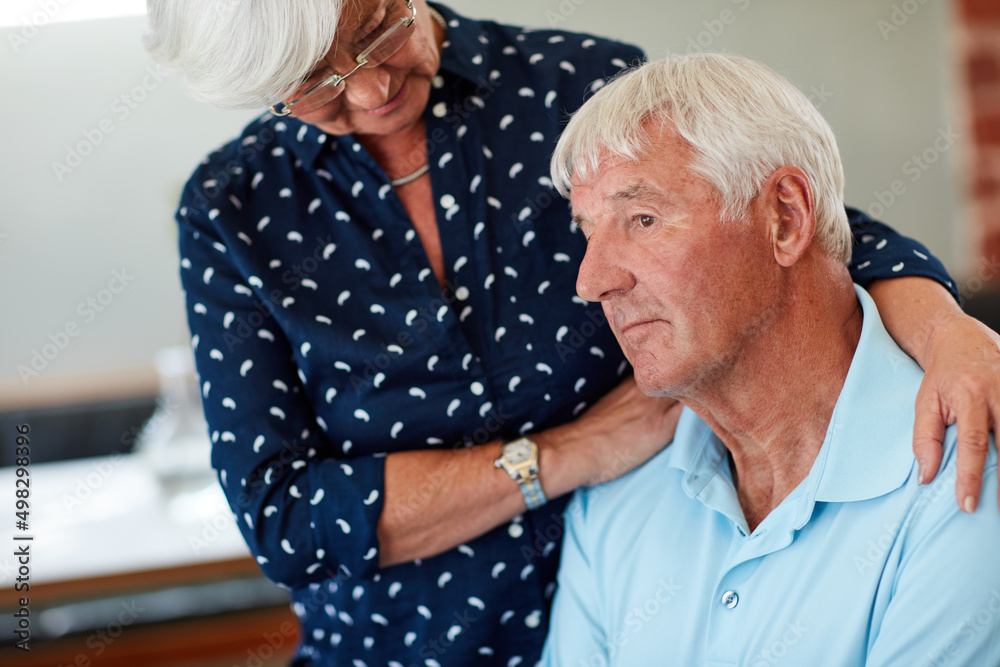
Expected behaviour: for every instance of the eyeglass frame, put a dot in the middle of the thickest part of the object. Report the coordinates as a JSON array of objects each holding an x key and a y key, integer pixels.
[{"x": 361, "y": 61}]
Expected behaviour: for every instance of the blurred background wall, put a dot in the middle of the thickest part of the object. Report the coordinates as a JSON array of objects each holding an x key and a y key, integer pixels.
[{"x": 98, "y": 142}]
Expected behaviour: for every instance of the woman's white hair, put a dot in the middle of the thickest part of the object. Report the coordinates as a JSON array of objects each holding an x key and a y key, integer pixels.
[
  {"x": 742, "y": 120},
  {"x": 241, "y": 54}
]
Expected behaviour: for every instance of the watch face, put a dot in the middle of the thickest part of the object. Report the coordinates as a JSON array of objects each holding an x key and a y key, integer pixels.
[{"x": 517, "y": 452}]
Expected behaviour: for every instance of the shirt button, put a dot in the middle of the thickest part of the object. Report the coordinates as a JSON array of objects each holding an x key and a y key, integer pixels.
[
  {"x": 477, "y": 388},
  {"x": 730, "y": 599},
  {"x": 462, "y": 293},
  {"x": 447, "y": 201}
]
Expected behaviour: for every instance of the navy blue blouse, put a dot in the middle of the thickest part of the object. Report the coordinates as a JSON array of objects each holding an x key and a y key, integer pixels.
[{"x": 323, "y": 341}]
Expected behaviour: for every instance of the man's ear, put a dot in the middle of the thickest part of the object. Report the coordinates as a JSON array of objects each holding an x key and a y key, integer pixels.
[{"x": 792, "y": 215}]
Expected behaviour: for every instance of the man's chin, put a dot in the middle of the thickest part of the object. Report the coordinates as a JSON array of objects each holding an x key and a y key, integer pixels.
[{"x": 652, "y": 384}]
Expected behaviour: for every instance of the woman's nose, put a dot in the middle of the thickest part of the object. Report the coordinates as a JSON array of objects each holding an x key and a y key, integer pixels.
[{"x": 368, "y": 87}]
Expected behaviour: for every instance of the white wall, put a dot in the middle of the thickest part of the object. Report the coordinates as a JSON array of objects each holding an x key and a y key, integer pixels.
[
  {"x": 68, "y": 231},
  {"x": 887, "y": 95}
]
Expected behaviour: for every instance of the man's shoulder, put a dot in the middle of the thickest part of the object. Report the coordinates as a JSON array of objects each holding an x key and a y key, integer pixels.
[
  {"x": 635, "y": 494},
  {"x": 936, "y": 502}
]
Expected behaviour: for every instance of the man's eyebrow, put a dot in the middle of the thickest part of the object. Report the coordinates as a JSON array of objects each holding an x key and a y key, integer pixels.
[
  {"x": 577, "y": 220},
  {"x": 635, "y": 191}
]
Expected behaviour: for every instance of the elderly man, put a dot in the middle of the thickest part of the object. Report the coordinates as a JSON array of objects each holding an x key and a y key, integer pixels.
[{"x": 786, "y": 523}]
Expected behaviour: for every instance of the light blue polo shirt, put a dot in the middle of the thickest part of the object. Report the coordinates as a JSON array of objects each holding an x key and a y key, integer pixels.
[{"x": 859, "y": 565}]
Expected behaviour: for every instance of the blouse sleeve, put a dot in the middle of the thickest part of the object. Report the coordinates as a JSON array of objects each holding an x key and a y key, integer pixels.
[
  {"x": 879, "y": 252},
  {"x": 306, "y": 515}
]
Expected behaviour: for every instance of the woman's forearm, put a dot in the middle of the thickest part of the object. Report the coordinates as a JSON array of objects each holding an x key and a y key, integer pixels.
[
  {"x": 436, "y": 500},
  {"x": 913, "y": 309}
]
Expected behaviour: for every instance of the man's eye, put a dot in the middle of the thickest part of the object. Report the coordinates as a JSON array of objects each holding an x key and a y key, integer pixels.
[{"x": 645, "y": 220}]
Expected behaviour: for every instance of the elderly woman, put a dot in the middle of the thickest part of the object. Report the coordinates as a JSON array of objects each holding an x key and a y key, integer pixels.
[{"x": 400, "y": 382}]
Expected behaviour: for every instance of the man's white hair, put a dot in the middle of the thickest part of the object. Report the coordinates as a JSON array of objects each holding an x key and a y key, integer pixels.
[
  {"x": 742, "y": 120},
  {"x": 241, "y": 54}
]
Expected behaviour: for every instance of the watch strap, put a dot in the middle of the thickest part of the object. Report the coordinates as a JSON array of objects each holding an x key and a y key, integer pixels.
[{"x": 531, "y": 489}]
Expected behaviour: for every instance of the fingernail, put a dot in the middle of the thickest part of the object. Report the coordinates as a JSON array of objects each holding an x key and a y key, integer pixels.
[
  {"x": 970, "y": 504},
  {"x": 922, "y": 472}
]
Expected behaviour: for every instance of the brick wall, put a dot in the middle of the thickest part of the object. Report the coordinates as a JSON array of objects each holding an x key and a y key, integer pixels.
[{"x": 979, "y": 58}]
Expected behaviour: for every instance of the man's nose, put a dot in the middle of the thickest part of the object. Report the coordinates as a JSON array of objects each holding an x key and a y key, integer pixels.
[{"x": 603, "y": 272}]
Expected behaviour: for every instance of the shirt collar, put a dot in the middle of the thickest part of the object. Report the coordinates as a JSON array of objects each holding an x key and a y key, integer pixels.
[
  {"x": 867, "y": 450},
  {"x": 464, "y": 53},
  {"x": 869, "y": 440},
  {"x": 302, "y": 140}
]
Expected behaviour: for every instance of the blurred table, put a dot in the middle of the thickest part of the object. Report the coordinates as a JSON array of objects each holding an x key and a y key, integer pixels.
[{"x": 127, "y": 570}]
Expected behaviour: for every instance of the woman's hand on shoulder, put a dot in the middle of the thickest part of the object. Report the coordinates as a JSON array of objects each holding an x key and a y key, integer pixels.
[
  {"x": 961, "y": 385},
  {"x": 620, "y": 432}
]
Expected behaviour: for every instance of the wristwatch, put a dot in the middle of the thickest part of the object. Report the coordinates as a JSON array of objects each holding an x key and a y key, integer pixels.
[{"x": 520, "y": 459}]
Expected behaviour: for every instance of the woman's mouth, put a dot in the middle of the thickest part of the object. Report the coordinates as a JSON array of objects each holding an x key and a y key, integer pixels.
[{"x": 391, "y": 104}]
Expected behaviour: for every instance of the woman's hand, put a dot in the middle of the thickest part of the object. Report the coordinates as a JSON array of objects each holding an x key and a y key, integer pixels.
[
  {"x": 961, "y": 384},
  {"x": 617, "y": 434},
  {"x": 961, "y": 361}
]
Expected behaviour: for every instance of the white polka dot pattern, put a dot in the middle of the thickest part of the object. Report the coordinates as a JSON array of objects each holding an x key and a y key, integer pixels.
[{"x": 323, "y": 341}]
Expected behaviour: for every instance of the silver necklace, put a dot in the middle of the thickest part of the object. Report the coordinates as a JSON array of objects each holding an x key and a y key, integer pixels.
[
  {"x": 409, "y": 178},
  {"x": 438, "y": 18},
  {"x": 403, "y": 180}
]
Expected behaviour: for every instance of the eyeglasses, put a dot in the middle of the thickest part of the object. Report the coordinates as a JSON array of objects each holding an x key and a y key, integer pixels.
[{"x": 324, "y": 85}]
